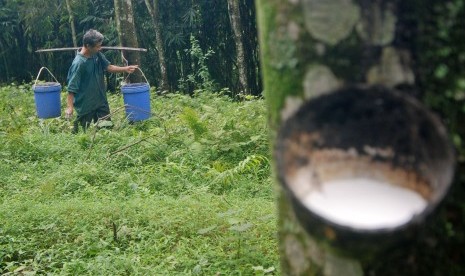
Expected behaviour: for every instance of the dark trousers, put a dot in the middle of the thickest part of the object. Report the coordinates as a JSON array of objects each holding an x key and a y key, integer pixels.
[{"x": 86, "y": 119}]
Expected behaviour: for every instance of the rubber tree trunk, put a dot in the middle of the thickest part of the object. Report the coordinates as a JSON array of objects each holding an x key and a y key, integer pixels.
[
  {"x": 252, "y": 55},
  {"x": 235, "y": 18},
  {"x": 5, "y": 64},
  {"x": 311, "y": 49},
  {"x": 71, "y": 22},
  {"x": 125, "y": 23},
  {"x": 155, "y": 15}
]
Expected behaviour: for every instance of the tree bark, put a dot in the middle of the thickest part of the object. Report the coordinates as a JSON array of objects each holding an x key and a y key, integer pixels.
[
  {"x": 252, "y": 55},
  {"x": 235, "y": 18},
  {"x": 311, "y": 48},
  {"x": 5, "y": 63},
  {"x": 71, "y": 22},
  {"x": 155, "y": 15},
  {"x": 125, "y": 23}
]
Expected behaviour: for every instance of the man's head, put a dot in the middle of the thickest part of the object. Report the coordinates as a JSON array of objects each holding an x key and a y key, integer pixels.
[{"x": 92, "y": 40}]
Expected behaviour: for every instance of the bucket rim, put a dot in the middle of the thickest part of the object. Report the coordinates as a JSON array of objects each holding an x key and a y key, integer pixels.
[
  {"x": 47, "y": 84},
  {"x": 134, "y": 88},
  {"x": 130, "y": 85}
]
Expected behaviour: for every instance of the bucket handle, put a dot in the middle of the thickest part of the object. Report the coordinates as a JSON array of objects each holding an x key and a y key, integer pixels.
[
  {"x": 40, "y": 71},
  {"x": 142, "y": 75}
]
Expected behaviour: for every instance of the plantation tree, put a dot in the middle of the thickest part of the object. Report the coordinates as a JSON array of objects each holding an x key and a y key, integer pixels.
[
  {"x": 23, "y": 24},
  {"x": 216, "y": 36},
  {"x": 44, "y": 27},
  {"x": 153, "y": 10},
  {"x": 250, "y": 40},
  {"x": 311, "y": 48},
  {"x": 71, "y": 22},
  {"x": 8, "y": 30},
  {"x": 28, "y": 25},
  {"x": 125, "y": 22},
  {"x": 235, "y": 16}
]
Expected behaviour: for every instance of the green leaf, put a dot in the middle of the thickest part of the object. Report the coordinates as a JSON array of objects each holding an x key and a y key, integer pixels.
[
  {"x": 461, "y": 84},
  {"x": 105, "y": 123},
  {"x": 233, "y": 221},
  {"x": 242, "y": 227},
  {"x": 441, "y": 71},
  {"x": 19, "y": 269},
  {"x": 269, "y": 269},
  {"x": 457, "y": 140},
  {"x": 206, "y": 230},
  {"x": 228, "y": 213}
]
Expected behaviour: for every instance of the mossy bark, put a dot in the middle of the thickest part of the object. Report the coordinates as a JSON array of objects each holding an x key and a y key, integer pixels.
[{"x": 313, "y": 47}]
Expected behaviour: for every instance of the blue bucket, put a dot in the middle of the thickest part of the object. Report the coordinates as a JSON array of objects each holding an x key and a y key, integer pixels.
[
  {"x": 47, "y": 98},
  {"x": 136, "y": 98},
  {"x": 136, "y": 101}
]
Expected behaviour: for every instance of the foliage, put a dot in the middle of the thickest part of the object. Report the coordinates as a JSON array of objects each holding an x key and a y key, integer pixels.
[
  {"x": 28, "y": 25},
  {"x": 187, "y": 192},
  {"x": 200, "y": 77},
  {"x": 442, "y": 63}
]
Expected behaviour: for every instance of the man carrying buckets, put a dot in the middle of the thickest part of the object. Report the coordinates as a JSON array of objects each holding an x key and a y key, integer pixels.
[{"x": 86, "y": 86}]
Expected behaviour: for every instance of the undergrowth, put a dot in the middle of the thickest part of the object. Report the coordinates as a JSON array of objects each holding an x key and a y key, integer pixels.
[{"x": 186, "y": 192}]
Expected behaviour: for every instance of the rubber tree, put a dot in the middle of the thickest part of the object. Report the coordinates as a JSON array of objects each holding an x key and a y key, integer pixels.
[
  {"x": 125, "y": 23},
  {"x": 327, "y": 65},
  {"x": 71, "y": 22},
  {"x": 251, "y": 49},
  {"x": 236, "y": 25},
  {"x": 153, "y": 10}
]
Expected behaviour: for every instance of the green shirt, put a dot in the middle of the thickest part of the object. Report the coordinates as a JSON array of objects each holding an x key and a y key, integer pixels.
[{"x": 86, "y": 81}]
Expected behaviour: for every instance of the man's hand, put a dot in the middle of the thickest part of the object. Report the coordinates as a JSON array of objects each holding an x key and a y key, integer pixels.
[
  {"x": 131, "y": 68},
  {"x": 68, "y": 113}
]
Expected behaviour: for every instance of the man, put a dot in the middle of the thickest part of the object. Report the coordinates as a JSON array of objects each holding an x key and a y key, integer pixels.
[{"x": 86, "y": 86}]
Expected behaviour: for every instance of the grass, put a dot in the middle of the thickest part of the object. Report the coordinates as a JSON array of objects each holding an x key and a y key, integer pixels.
[{"x": 187, "y": 192}]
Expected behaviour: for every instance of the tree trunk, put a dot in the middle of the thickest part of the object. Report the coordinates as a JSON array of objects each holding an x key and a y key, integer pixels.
[
  {"x": 155, "y": 15},
  {"x": 71, "y": 22},
  {"x": 310, "y": 51},
  {"x": 235, "y": 18},
  {"x": 252, "y": 55},
  {"x": 125, "y": 23},
  {"x": 5, "y": 63}
]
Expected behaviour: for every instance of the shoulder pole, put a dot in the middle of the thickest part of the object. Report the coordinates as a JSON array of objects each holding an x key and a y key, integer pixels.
[{"x": 103, "y": 48}]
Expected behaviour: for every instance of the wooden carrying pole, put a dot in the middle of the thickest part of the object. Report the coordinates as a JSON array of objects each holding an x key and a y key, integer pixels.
[{"x": 103, "y": 47}]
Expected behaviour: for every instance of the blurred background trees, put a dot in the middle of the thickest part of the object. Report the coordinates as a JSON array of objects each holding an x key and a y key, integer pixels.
[{"x": 190, "y": 43}]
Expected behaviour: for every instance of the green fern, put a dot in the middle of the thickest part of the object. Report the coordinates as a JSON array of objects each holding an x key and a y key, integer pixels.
[
  {"x": 251, "y": 163},
  {"x": 192, "y": 119}
]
